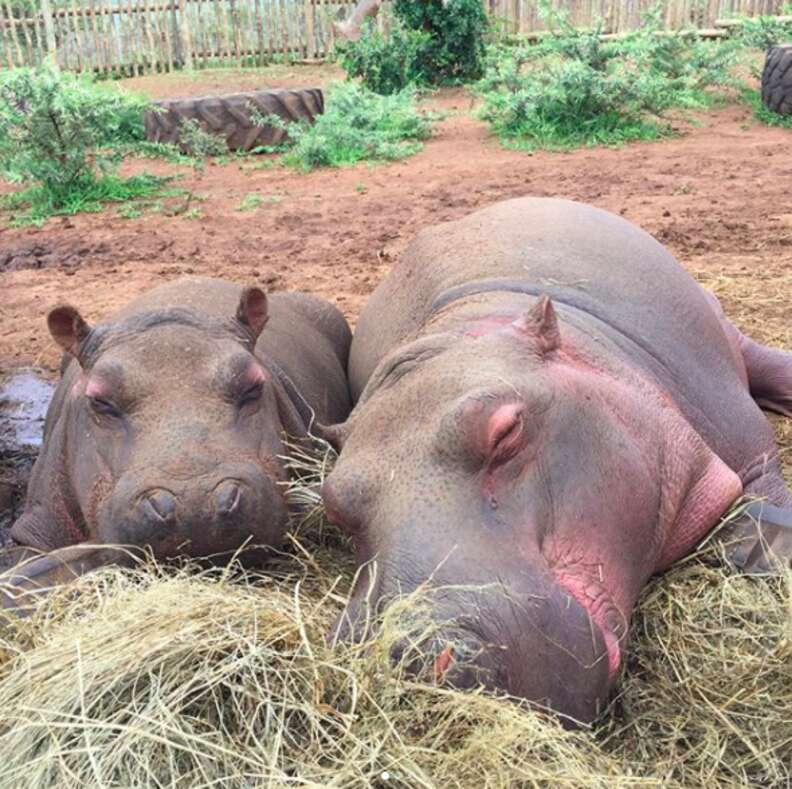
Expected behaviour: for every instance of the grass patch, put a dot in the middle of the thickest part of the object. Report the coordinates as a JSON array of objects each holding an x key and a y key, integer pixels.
[
  {"x": 178, "y": 676},
  {"x": 251, "y": 201},
  {"x": 753, "y": 98},
  {"x": 35, "y": 204},
  {"x": 357, "y": 125}
]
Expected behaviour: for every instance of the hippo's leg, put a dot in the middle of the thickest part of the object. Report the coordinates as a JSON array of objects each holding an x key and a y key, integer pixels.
[
  {"x": 760, "y": 539},
  {"x": 769, "y": 370},
  {"x": 22, "y": 585},
  {"x": 769, "y": 375},
  {"x": 761, "y": 536}
]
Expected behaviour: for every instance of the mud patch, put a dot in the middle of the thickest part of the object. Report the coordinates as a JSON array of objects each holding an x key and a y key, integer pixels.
[
  {"x": 39, "y": 255},
  {"x": 24, "y": 397}
]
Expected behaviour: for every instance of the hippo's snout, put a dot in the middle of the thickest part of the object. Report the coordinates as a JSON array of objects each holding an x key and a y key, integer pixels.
[
  {"x": 203, "y": 516},
  {"x": 453, "y": 657}
]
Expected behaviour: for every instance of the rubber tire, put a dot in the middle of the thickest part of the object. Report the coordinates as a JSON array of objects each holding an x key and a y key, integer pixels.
[
  {"x": 227, "y": 116},
  {"x": 777, "y": 79}
]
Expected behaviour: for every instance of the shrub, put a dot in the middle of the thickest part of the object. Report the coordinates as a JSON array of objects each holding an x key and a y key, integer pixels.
[
  {"x": 456, "y": 28},
  {"x": 357, "y": 125},
  {"x": 385, "y": 64},
  {"x": 63, "y": 134},
  {"x": 574, "y": 88},
  {"x": 763, "y": 32},
  {"x": 568, "y": 103},
  {"x": 753, "y": 98},
  {"x": 434, "y": 42}
]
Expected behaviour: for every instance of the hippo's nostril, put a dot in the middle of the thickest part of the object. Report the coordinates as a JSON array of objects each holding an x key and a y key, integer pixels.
[
  {"x": 227, "y": 497},
  {"x": 159, "y": 505}
]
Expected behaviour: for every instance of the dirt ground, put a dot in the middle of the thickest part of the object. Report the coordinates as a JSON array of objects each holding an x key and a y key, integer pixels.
[{"x": 719, "y": 196}]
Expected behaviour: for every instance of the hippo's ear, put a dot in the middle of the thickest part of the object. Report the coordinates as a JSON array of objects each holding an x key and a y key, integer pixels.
[
  {"x": 68, "y": 328},
  {"x": 252, "y": 310},
  {"x": 541, "y": 324}
]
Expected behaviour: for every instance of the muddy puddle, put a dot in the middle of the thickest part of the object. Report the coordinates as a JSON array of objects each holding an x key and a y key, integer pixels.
[{"x": 24, "y": 397}]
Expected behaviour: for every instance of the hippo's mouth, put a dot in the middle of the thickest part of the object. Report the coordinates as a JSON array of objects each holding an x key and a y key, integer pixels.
[{"x": 603, "y": 612}]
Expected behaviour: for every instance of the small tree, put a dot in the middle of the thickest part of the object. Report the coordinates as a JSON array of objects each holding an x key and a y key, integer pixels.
[
  {"x": 386, "y": 64},
  {"x": 456, "y": 28},
  {"x": 64, "y": 132},
  {"x": 434, "y": 42}
]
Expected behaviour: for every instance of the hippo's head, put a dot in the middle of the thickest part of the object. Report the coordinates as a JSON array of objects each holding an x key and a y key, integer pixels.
[
  {"x": 173, "y": 430},
  {"x": 533, "y": 487}
]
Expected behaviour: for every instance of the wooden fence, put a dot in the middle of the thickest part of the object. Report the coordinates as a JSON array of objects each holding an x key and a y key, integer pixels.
[
  {"x": 522, "y": 16},
  {"x": 119, "y": 37}
]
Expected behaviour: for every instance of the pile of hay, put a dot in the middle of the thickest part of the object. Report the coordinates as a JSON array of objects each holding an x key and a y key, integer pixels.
[{"x": 186, "y": 678}]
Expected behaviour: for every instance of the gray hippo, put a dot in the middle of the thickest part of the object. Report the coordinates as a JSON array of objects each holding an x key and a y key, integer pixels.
[
  {"x": 548, "y": 409},
  {"x": 166, "y": 429}
]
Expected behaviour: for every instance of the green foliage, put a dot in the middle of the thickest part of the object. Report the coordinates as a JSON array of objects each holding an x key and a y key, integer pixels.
[
  {"x": 385, "y": 64},
  {"x": 357, "y": 125},
  {"x": 762, "y": 114},
  {"x": 64, "y": 136},
  {"x": 58, "y": 128},
  {"x": 34, "y": 205},
  {"x": 763, "y": 32},
  {"x": 456, "y": 28},
  {"x": 198, "y": 143},
  {"x": 576, "y": 88},
  {"x": 567, "y": 104},
  {"x": 434, "y": 42},
  {"x": 250, "y": 202}
]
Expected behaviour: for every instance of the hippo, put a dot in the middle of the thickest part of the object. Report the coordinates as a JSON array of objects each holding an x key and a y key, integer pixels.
[
  {"x": 166, "y": 430},
  {"x": 548, "y": 411}
]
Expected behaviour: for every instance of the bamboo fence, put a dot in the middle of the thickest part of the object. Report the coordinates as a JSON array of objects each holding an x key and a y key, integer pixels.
[{"x": 131, "y": 37}]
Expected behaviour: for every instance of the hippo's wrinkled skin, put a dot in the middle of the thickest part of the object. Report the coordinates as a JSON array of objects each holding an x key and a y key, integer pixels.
[
  {"x": 557, "y": 452},
  {"x": 167, "y": 425}
]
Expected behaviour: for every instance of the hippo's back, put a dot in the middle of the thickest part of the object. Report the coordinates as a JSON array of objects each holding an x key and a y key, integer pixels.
[{"x": 602, "y": 272}]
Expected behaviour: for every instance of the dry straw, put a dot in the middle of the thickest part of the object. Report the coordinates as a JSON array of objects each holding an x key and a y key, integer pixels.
[{"x": 183, "y": 677}]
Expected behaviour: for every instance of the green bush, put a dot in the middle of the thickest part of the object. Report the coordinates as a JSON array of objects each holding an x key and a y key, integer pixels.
[
  {"x": 754, "y": 99},
  {"x": 385, "y": 64},
  {"x": 575, "y": 88},
  {"x": 763, "y": 32},
  {"x": 568, "y": 103},
  {"x": 456, "y": 28},
  {"x": 62, "y": 135},
  {"x": 357, "y": 125},
  {"x": 434, "y": 42}
]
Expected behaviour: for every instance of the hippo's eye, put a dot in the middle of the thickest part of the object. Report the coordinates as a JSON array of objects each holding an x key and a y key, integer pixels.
[
  {"x": 505, "y": 431},
  {"x": 104, "y": 407},
  {"x": 251, "y": 395}
]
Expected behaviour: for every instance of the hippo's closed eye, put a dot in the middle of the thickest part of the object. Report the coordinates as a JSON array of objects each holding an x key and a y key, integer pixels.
[
  {"x": 246, "y": 384},
  {"x": 251, "y": 394},
  {"x": 104, "y": 407},
  {"x": 493, "y": 429},
  {"x": 103, "y": 394}
]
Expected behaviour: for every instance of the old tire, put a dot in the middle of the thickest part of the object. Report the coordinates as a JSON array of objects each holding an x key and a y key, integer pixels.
[
  {"x": 228, "y": 116},
  {"x": 777, "y": 79}
]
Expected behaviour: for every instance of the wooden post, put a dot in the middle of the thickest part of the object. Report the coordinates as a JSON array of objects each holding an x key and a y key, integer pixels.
[
  {"x": 169, "y": 23},
  {"x": 31, "y": 50},
  {"x": 146, "y": 25},
  {"x": 233, "y": 15},
  {"x": 270, "y": 30},
  {"x": 310, "y": 34},
  {"x": 49, "y": 29},
  {"x": 12, "y": 24},
  {"x": 186, "y": 36},
  {"x": 259, "y": 32}
]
